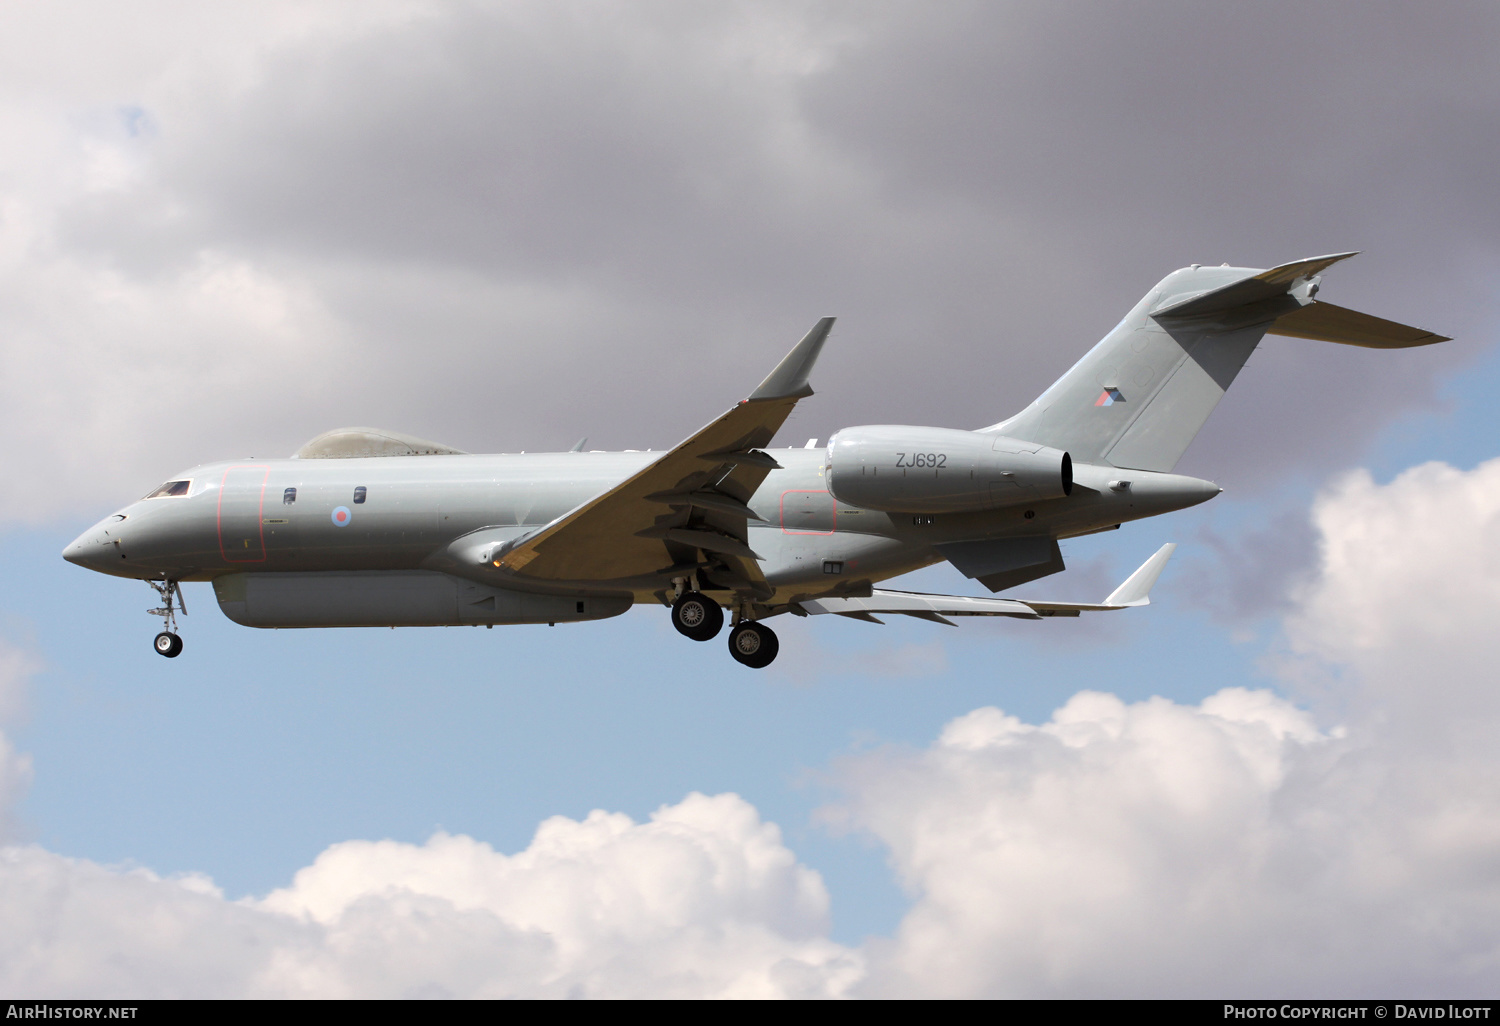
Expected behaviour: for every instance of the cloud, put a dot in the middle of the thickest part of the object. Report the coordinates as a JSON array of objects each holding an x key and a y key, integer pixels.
[
  {"x": 227, "y": 234},
  {"x": 1151, "y": 848},
  {"x": 1155, "y": 848},
  {"x": 1256, "y": 570},
  {"x": 17, "y": 665},
  {"x": 703, "y": 900},
  {"x": 1410, "y": 578}
]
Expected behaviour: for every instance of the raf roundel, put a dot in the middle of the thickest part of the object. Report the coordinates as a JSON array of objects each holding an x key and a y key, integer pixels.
[{"x": 342, "y": 516}]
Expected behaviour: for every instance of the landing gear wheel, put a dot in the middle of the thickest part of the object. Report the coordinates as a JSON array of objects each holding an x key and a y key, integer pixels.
[
  {"x": 697, "y": 617},
  {"x": 167, "y": 643},
  {"x": 753, "y": 644}
]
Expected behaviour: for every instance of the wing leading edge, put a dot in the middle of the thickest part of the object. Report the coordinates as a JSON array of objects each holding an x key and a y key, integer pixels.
[
  {"x": 686, "y": 511},
  {"x": 1136, "y": 591}
]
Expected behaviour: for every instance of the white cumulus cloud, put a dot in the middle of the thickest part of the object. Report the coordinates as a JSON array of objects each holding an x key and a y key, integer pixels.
[
  {"x": 1234, "y": 847},
  {"x": 1242, "y": 845},
  {"x": 703, "y": 900},
  {"x": 17, "y": 664}
]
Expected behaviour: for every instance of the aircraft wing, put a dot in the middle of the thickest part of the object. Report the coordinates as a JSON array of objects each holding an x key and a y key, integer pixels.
[
  {"x": 687, "y": 510},
  {"x": 1136, "y": 591}
]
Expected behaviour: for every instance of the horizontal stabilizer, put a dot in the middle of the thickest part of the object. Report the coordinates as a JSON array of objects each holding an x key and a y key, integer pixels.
[
  {"x": 1265, "y": 285},
  {"x": 1324, "y": 322},
  {"x": 1134, "y": 592},
  {"x": 919, "y": 604}
]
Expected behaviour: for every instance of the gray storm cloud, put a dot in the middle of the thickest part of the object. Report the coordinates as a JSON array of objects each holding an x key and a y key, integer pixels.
[{"x": 509, "y": 226}]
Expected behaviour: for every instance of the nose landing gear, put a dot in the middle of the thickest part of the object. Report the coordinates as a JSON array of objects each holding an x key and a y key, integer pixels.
[{"x": 167, "y": 643}]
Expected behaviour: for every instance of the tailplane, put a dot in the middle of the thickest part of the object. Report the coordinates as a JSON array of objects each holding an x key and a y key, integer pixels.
[{"x": 1138, "y": 398}]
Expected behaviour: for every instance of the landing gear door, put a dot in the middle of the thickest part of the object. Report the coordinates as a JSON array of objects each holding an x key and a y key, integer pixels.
[{"x": 242, "y": 497}]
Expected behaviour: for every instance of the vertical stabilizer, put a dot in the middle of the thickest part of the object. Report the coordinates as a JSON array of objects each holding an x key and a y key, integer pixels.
[{"x": 1138, "y": 398}]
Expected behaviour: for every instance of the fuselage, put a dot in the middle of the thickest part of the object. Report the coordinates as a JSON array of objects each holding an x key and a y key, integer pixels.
[{"x": 408, "y": 514}]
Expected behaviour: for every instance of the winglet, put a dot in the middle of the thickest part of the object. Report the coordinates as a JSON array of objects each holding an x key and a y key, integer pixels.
[
  {"x": 1136, "y": 590},
  {"x": 789, "y": 379}
]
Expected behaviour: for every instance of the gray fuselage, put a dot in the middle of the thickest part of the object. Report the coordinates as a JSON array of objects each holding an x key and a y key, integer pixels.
[{"x": 410, "y": 513}]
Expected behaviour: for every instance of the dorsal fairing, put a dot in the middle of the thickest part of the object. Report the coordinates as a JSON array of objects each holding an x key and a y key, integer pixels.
[{"x": 361, "y": 442}]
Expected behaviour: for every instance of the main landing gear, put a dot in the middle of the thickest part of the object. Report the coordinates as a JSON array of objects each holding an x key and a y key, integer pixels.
[
  {"x": 698, "y": 617},
  {"x": 753, "y": 644},
  {"x": 167, "y": 643}
]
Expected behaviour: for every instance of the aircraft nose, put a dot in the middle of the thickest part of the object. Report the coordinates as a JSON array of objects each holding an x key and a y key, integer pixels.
[
  {"x": 92, "y": 548},
  {"x": 85, "y": 549}
]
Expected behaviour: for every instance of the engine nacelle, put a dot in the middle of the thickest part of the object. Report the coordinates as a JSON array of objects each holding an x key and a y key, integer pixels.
[{"x": 894, "y": 468}]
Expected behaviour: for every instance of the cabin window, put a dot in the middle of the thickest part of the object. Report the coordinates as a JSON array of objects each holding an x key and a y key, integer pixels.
[
  {"x": 289, "y": 496},
  {"x": 171, "y": 488},
  {"x": 359, "y": 495}
]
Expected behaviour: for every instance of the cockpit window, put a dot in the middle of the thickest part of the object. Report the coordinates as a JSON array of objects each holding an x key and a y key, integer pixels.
[{"x": 171, "y": 488}]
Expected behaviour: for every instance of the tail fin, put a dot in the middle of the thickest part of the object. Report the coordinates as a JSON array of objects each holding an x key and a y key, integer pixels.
[{"x": 1138, "y": 398}]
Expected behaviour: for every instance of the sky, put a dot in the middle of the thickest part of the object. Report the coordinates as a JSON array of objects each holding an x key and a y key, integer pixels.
[{"x": 505, "y": 226}]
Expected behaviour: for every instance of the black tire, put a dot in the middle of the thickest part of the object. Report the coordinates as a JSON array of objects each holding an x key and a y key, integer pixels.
[
  {"x": 167, "y": 644},
  {"x": 753, "y": 645},
  {"x": 697, "y": 617}
]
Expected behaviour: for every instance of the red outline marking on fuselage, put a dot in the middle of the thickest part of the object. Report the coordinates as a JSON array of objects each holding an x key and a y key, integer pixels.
[
  {"x": 810, "y": 491},
  {"x": 260, "y": 512}
]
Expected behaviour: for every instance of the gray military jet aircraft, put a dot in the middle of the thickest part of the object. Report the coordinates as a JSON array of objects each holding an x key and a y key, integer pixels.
[{"x": 368, "y": 528}]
